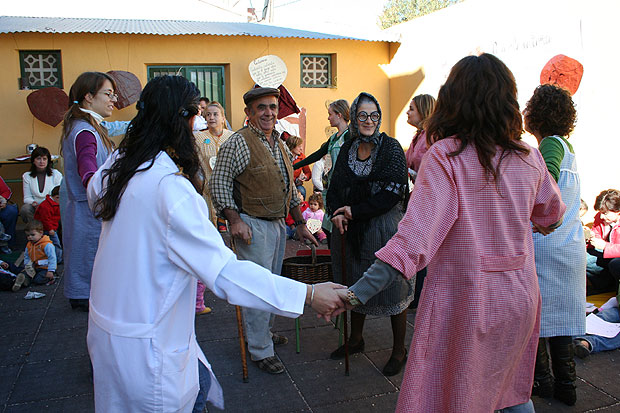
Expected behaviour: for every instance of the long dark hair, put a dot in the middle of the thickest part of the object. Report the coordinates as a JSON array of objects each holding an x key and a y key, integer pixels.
[
  {"x": 478, "y": 106},
  {"x": 87, "y": 82},
  {"x": 40, "y": 151},
  {"x": 165, "y": 108}
]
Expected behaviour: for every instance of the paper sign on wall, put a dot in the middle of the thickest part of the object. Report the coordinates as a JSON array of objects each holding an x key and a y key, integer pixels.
[{"x": 268, "y": 71}]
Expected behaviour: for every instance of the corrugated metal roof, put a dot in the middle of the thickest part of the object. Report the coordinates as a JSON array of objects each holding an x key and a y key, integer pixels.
[{"x": 18, "y": 24}]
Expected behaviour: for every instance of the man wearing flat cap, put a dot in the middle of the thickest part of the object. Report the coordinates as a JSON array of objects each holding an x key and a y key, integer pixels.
[{"x": 252, "y": 187}]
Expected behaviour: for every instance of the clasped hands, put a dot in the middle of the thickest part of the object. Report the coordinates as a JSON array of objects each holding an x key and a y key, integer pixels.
[{"x": 330, "y": 299}]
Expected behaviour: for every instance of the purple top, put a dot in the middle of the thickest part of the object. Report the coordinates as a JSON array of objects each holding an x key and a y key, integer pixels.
[{"x": 86, "y": 154}]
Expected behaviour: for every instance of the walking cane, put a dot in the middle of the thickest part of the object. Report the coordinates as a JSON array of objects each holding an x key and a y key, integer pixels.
[
  {"x": 244, "y": 361},
  {"x": 344, "y": 314}
]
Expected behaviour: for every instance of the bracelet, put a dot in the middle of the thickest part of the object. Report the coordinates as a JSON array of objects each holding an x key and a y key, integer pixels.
[
  {"x": 352, "y": 298},
  {"x": 312, "y": 295},
  {"x": 300, "y": 222}
]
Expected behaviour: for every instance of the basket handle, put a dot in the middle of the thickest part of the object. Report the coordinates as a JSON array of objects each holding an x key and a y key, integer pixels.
[{"x": 313, "y": 248}]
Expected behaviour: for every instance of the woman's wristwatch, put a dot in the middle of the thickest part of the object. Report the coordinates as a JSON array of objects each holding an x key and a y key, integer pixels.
[
  {"x": 300, "y": 222},
  {"x": 352, "y": 298}
]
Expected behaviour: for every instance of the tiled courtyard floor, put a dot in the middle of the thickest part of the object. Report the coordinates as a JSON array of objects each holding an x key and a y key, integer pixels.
[{"x": 44, "y": 364}]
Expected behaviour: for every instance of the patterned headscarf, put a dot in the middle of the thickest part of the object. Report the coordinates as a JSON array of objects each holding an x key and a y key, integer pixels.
[{"x": 355, "y": 133}]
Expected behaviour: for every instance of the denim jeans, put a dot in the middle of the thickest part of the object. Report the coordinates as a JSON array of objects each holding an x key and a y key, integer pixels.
[
  {"x": 527, "y": 407},
  {"x": 56, "y": 241},
  {"x": 8, "y": 217},
  {"x": 39, "y": 277},
  {"x": 204, "y": 378},
  {"x": 598, "y": 343}
]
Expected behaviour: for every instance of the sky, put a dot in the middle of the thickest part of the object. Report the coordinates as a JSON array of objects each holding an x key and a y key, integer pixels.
[{"x": 316, "y": 15}]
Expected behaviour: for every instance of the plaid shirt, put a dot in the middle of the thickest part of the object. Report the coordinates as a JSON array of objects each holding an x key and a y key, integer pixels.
[{"x": 232, "y": 159}]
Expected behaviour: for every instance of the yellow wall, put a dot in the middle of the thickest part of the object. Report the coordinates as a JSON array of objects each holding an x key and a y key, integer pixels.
[{"x": 357, "y": 69}]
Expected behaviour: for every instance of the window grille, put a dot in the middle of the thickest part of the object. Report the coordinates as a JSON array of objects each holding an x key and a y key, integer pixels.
[
  {"x": 316, "y": 71},
  {"x": 40, "y": 68}
]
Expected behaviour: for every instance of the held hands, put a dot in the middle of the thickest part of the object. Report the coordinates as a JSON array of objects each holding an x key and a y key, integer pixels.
[{"x": 327, "y": 299}]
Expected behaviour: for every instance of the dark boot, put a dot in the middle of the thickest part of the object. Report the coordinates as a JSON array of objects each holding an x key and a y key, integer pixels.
[
  {"x": 563, "y": 362},
  {"x": 543, "y": 380}
]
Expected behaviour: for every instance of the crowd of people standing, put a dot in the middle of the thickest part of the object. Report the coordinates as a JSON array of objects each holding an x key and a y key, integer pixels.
[{"x": 469, "y": 217}]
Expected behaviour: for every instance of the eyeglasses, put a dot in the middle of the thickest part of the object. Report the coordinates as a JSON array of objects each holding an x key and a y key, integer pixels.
[
  {"x": 111, "y": 96},
  {"x": 374, "y": 116}
]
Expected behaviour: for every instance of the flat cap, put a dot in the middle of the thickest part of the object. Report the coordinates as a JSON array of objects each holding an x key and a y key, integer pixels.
[{"x": 259, "y": 92}]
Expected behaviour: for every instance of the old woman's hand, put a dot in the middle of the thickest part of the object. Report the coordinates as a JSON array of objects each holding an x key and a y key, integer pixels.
[
  {"x": 346, "y": 211},
  {"x": 341, "y": 223}
]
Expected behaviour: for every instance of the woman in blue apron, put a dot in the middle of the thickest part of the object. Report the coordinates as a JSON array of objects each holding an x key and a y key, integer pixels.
[
  {"x": 561, "y": 256},
  {"x": 85, "y": 147}
]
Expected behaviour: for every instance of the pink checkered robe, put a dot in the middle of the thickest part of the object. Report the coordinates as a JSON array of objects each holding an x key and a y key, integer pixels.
[{"x": 477, "y": 325}]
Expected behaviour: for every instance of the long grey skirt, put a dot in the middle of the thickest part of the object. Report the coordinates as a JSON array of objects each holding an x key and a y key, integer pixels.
[{"x": 375, "y": 234}]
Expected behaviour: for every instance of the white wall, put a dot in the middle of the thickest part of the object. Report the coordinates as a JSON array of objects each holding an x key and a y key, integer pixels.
[{"x": 525, "y": 34}]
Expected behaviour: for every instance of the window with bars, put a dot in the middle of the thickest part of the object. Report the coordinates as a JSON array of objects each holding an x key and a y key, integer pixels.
[
  {"x": 40, "y": 68},
  {"x": 208, "y": 79},
  {"x": 317, "y": 70}
]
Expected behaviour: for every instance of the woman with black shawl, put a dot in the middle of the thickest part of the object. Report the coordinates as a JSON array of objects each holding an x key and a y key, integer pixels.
[{"x": 367, "y": 197}]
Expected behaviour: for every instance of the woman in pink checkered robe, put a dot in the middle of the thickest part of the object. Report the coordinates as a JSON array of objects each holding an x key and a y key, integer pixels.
[{"x": 469, "y": 222}]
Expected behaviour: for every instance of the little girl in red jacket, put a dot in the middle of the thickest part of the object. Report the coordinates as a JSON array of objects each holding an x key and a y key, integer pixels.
[{"x": 48, "y": 212}]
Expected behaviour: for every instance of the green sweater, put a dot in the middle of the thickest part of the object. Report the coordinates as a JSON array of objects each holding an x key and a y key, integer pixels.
[{"x": 553, "y": 152}]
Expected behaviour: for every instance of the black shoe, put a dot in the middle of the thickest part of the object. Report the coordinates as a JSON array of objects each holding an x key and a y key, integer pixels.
[
  {"x": 394, "y": 366},
  {"x": 582, "y": 350},
  {"x": 79, "y": 304},
  {"x": 338, "y": 354}
]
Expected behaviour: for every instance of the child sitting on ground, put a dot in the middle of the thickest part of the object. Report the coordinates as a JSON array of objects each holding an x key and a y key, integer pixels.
[
  {"x": 39, "y": 258},
  {"x": 7, "y": 275},
  {"x": 48, "y": 212},
  {"x": 315, "y": 211},
  {"x": 603, "y": 267},
  {"x": 290, "y": 221}
]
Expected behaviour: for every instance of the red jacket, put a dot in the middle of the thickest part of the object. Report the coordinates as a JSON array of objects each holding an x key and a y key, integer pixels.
[
  {"x": 48, "y": 212},
  {"x": 306, "y": 169},
  {"x": 612, "y": 249},
  {"x": 5, "y": 191},
  {"x": 289, "y": 219}
]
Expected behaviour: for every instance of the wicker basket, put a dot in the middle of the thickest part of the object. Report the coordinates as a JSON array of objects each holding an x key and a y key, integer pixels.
[{"x": 309, "y": 269}]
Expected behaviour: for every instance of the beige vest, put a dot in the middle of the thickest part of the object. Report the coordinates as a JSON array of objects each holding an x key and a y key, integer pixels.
[{"x": 260, "y": 190}]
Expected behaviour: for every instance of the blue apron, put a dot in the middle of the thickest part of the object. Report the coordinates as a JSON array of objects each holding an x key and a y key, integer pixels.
[
  {"x": 561, "y": 261},
  {"x": 80, "y": 229}
]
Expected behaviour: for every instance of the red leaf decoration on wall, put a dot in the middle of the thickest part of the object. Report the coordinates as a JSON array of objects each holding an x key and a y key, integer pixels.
[
  {"x": 128, "y": 88},
  {"x": 49, "y": 105}
]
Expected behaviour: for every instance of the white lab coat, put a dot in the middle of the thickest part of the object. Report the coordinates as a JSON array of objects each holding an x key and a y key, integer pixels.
[{"x": 141, "y": 336}]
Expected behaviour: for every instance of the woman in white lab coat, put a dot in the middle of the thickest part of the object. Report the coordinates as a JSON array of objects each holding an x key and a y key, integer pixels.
[{"x": 156, "y": 237}]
